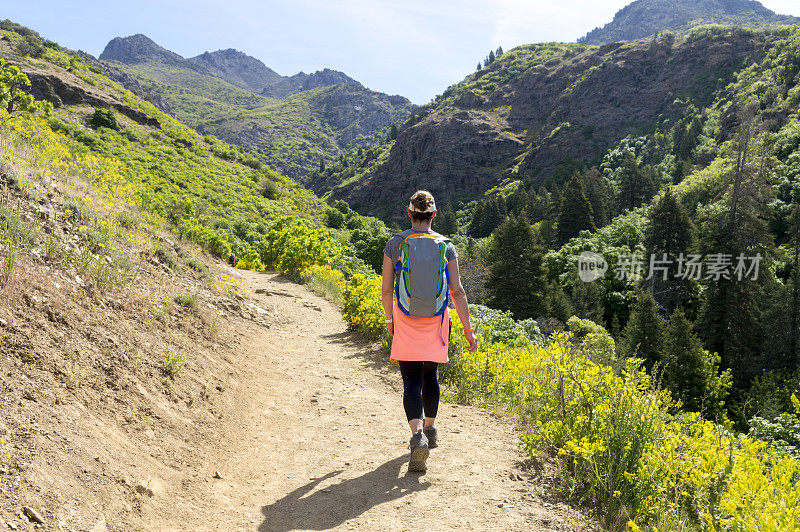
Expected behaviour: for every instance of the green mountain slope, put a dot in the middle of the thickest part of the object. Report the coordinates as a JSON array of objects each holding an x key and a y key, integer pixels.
[
  {"x": 644, "y": 18},
  {"x": 294, "y": 123},
  {"x": 216, "y": 193},
  {"x": 540, "y": 111}
]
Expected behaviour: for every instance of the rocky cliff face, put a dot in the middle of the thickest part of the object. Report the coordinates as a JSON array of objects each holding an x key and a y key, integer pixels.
[
  {"x": 238, "y": 68},
  {"x": 542, "y": 106},
  {"x": 355, "y": 112},
  {"x": 127, "y": 81},
  {"x": 644, "y": 18}
]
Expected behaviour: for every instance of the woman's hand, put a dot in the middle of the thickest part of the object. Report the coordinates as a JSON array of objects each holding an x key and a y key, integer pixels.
[
  {"x": 472, "y": 339},
  {"x": 390, "y": 327}
]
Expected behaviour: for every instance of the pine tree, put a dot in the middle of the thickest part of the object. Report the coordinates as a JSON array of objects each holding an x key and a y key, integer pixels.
[
  {"x": 687, "y": 141},
  {"x": 502, "y": 206},
  {"x": 670, "y": 231},
  {"x": 576, "y": 212},
  {"x": 599, "y": 194},
  {"x": 446, "y": 222},
  {"x": 516, "y": 274},
  {"x": 492, "y": 216},
  {"x": 474, "y": 272},
  {"x": 691, "y": 372},
  {"x": 642, "y": 336},
  {"x": 635, "y": 184},
  {"x": 491, "y": 57},
  {"x": 678, "y": 135},
  {"x": 732, "y": 309},
  {"x": 554, "y": 199},
  {"x": 794, "y": 307},
  {"x": 547, "y": 227},
  {"x": 499, "y": 51},
  {"x": 559, "y": 303},
  {"x": 586, "y": 302},
  {"x": 393, "y": 132},
  {"x": 476, "y": 224},
  {"x": 678, "y": 172},
  {"x": 478, "y": 68},
  {"x": 517, "y": 201},
  {"x": 321, "y": 165}
]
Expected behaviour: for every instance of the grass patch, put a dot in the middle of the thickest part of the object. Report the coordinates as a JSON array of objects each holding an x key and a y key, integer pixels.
[
  {"x": 187, "y": 301},
  {"x": 197, "y": 266},
  {"x": 173, "y": 363}
]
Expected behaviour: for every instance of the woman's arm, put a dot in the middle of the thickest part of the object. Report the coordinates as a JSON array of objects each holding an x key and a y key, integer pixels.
[
  {"x": 460, "y": 302},
  {"x": 387, "y": 291}
]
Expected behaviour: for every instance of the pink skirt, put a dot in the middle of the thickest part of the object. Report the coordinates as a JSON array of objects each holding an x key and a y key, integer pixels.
[{"x": 420, "y": 339}]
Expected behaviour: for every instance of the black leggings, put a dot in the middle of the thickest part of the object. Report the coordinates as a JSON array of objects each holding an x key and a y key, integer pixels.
[{"x": 420, "y": 388}]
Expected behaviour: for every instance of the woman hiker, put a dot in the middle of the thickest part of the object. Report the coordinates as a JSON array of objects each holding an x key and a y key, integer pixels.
[{"x": 420, "y": 275}]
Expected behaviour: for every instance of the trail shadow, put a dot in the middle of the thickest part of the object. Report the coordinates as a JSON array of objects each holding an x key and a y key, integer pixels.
[
  {"x": 369, "y": 353},
  {"x": 340, "y": 502},
  {"x": 277, "y": 277}
]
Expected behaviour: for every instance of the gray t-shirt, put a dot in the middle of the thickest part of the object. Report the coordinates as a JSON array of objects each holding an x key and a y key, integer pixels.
[{"x": 392, "y": 249}]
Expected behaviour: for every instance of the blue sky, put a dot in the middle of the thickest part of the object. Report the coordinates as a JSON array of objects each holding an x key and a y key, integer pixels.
[{"x": 411, "y": 47}]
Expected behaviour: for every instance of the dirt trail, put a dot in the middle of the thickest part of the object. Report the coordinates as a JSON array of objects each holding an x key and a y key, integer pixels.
[{"x": 318, "y": 440}]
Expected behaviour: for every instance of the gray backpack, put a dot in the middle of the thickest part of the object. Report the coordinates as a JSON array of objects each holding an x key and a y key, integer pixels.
[{"x": 422, "y": 286}]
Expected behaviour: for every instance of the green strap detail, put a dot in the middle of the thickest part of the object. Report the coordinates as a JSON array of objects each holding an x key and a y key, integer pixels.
[
  {"x": 403, "y": 273},
  {"x": 442, "y": 264}
]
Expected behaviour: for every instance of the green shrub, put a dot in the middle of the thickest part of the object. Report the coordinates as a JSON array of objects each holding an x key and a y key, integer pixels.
[
  {"x": 271, "y": 190},
  {"x": 292, "y": 245},
  {"x": 167, "y": 257},
  {"x": 594, "y": 340},
  {"x": 128, "y": 219},
  {"x": 497, "y": 326},
  {"x": 783, "y": 432},
  {"x": 250, "y": 261},
  {"x": 104, "y": 118},
  {"x": 334, "y": 218},
  {"x": 362, "y": 306}
]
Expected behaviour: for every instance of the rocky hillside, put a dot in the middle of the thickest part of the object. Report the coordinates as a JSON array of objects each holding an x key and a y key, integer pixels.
[
  {"x": 538, "y": 111},
  {"x": 301, "y": 81},
  {"x": 236, "y": 68},
  {"x": 293, "y": 122},
  {"x": 644, "y": 18}
]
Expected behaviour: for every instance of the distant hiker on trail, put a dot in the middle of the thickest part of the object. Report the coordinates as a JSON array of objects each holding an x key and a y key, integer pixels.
[{"x": 420, "y": 273}]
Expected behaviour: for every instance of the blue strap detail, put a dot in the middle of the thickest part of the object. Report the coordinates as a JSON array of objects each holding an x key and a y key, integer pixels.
[{"x": 399, "y": 304}]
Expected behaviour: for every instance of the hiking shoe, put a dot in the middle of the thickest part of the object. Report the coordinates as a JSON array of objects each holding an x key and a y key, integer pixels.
[
  {"x": 433, "y": 436},
  {"x": 419, "y": 452}
]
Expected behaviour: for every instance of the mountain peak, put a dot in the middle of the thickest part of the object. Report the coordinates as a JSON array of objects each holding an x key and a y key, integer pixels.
[
  {"x": 238, "y": 68},
  {"x": 325, "y": 77},
  {"x": 644, "y": 18},
  {"x": 303, "y": 82},
  {"x": 135, "y": 49}
]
